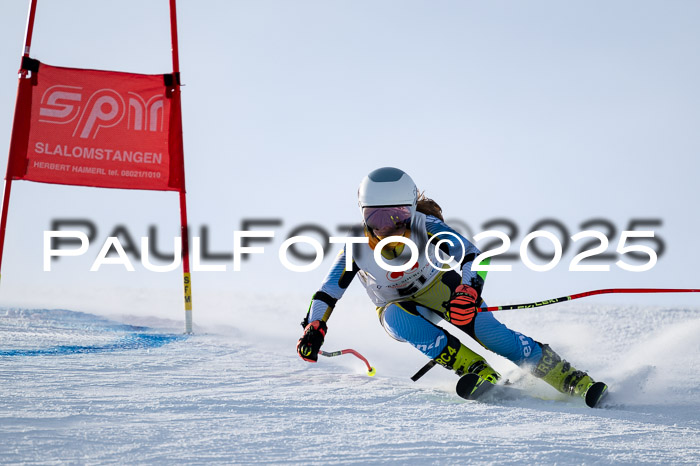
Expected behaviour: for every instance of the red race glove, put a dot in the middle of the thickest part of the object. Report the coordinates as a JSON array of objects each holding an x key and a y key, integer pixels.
[
  {"x": 310, "y": 342},
  {"x": 461, "y": 308}
]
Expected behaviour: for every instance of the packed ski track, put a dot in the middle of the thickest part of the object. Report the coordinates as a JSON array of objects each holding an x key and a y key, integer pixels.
[{"x": 83, "y": 388}]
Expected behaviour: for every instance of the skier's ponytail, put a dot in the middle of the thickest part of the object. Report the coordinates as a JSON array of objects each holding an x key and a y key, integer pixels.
[{"x": 428, "y": 206}]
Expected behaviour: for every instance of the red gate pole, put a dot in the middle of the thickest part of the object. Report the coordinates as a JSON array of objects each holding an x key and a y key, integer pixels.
[
  {"x": 8, "y": 179},
  {"x": 184, "y": 235}
]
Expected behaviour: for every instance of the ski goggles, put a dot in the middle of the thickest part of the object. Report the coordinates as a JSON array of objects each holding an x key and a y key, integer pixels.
[{"x": 387, "y": 221}]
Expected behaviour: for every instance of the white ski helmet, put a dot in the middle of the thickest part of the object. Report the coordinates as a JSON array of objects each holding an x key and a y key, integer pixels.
[{"x": 387, "y": 186}]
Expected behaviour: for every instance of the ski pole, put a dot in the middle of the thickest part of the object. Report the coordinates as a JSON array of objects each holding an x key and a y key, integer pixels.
[
  {"x": 370, "y": 370},
  {"x": 547, "y": 302}
]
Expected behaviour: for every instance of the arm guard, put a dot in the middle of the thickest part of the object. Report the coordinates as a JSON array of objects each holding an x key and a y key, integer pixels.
[
  {"x": 332, "y": 289},
  {"x": 474, "y": 279}
]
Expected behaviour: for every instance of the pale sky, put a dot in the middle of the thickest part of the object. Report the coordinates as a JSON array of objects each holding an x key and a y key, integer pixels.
[{"x": 519, "y": 110}]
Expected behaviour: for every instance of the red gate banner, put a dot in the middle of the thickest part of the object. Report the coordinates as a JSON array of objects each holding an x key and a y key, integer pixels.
[{"x": 97, "y": 128}]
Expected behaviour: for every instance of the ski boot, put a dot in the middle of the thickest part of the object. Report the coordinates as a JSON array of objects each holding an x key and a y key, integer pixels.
[
  {"x": 476, "y": 376},
  {"x": 567, "y": 379}
]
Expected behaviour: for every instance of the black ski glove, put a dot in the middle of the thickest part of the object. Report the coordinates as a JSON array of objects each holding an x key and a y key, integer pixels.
[{"x": 310, "y": 342}]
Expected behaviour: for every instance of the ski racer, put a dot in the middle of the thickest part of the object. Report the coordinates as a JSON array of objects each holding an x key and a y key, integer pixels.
[{"x": 409, "y": 303}]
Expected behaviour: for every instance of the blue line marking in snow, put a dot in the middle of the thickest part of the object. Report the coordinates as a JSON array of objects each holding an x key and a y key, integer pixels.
[{"x": 130, "y": 342}]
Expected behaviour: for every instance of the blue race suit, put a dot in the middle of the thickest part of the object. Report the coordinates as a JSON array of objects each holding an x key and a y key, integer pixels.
[{"x": 409, "y": 302}]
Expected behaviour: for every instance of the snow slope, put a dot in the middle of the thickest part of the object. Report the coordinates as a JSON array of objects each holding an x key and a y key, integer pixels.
[{"x": 82, "y": 388}]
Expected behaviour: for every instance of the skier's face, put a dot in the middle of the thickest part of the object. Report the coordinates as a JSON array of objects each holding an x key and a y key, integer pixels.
[
  {"x": 395, "y": 249},
  {"x": 387, "y": 221}
]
